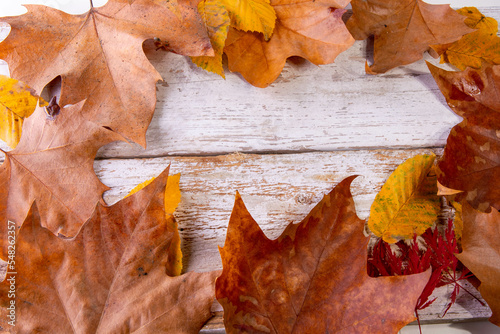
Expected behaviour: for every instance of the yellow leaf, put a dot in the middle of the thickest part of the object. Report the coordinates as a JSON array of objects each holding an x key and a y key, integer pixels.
[
  {"x": 216, "y": 19},
  {"x": 17, "y": 101},
  {"x": 407, "y": 203},
  {"x": 172, "y": 192},
  {"x": 457, "y": 220},
  {"x": 252, "y": 15},
  {"x": 474, "y": 48},
  {"x": 172, "y": 199}
]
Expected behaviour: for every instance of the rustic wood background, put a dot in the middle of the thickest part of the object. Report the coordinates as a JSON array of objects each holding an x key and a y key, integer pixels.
[{"x": 282, "y": 147}]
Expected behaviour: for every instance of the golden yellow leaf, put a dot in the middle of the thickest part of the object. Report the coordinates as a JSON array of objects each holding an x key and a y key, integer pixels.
[
  {"x": 252, "y": 15},
  {"x": 216, "y": 19},
  {"x": 457, "y": 220},
  {"x": 172, "y": 199},
  {"x": 474, "y": 48},
  {"x": 17, "y": 101},
  {"x": 408, "y": 201}
]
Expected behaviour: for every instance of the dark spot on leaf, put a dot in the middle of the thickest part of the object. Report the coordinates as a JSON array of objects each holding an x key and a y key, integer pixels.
[{"x": 141, "y": 272}]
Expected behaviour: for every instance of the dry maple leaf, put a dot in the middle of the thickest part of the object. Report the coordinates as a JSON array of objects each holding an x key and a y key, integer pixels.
[
  {"x": 471, "y": 161},
  {"x": 110, "y": 278},
  {"x": 53, "y": 163},
  {"x": 403, "y": 29},
  {"x": 311, "y": 30},
  {"x": 99, "y": 55},
  {"x": 481, "y": 254},
  {"x": 313, "y": 278}
]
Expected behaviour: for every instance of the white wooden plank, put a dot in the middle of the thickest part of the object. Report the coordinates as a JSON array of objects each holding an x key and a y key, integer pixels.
[{"x": 309, "y": 108}]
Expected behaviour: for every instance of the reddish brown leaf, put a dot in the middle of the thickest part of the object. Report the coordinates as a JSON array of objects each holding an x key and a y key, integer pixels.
[
  {"x": 111, "y": 278},
  {"x": 53, "y": 163},
  {"x": 471, "y": 161},
  {"x": 481, "y": 254},
  {"x": 403, "y": 29},
  {"x": 311, "y": 30},
  {"x": 313, "y": 278},
  {"x": 99, "y": 55}
]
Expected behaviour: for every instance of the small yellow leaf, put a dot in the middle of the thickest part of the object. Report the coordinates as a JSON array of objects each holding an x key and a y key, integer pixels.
[
  {"x": 407, "y": 203},
  {"x": 474, "y": 48},
  {"x": 252, "y": 15},
  {"x": 172, "y": 192},
  {"x": 216, "y": 19},
  {"x": 457, "y": 221},
  {"x": 172, "y": 199},
  {"x": 17, "y": 101}
]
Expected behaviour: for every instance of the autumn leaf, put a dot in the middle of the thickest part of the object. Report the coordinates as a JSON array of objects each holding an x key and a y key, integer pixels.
[
  {"x": 457, "y": 219},
  {"x": 53, "y": 164},
  {"x": 407, "y": 204},
  {"x": 172, "y": 198},
  {"x": 481, "y": 254},
  {"x": 99, "y": 55},
  {"x": 112, "y": 277},
  {"x": 470, "y": 161},
  {"x": 403, "y": 29},
  {"x": 472, "y": 49},
  {"x": 311, "y": 30},
  {"x": 216, "y": 19},
  {"x": 313, "y": 278},
  {"x": 17, "y": 101}
]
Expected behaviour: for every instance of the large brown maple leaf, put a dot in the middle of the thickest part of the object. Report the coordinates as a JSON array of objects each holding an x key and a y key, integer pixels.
[
  {"x": 312, "y": 30},
  {"x": 403, "y": 29},
  {"x": 471, "y": 159},
  {"x": 481, "y": 254},
  {"x": 110, "y": 278},
  {"x": 313, "y": 278},
  {"x": 53, "y": 163},
  {"x": 99, "y": 55}
]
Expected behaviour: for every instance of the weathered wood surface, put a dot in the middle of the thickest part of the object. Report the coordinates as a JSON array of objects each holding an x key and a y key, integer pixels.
[{"x": 309, "y": 108}]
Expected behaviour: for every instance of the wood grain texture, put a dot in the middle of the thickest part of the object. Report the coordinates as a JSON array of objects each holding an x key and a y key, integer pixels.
[{"x": 309, "y": 108}]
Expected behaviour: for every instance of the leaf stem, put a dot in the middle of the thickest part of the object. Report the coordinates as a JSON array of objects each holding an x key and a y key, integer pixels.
[{"x": 91, "y": 4}]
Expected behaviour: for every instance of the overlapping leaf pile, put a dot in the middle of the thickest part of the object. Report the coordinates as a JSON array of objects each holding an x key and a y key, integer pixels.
[{"x": 112, "y": 269}]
